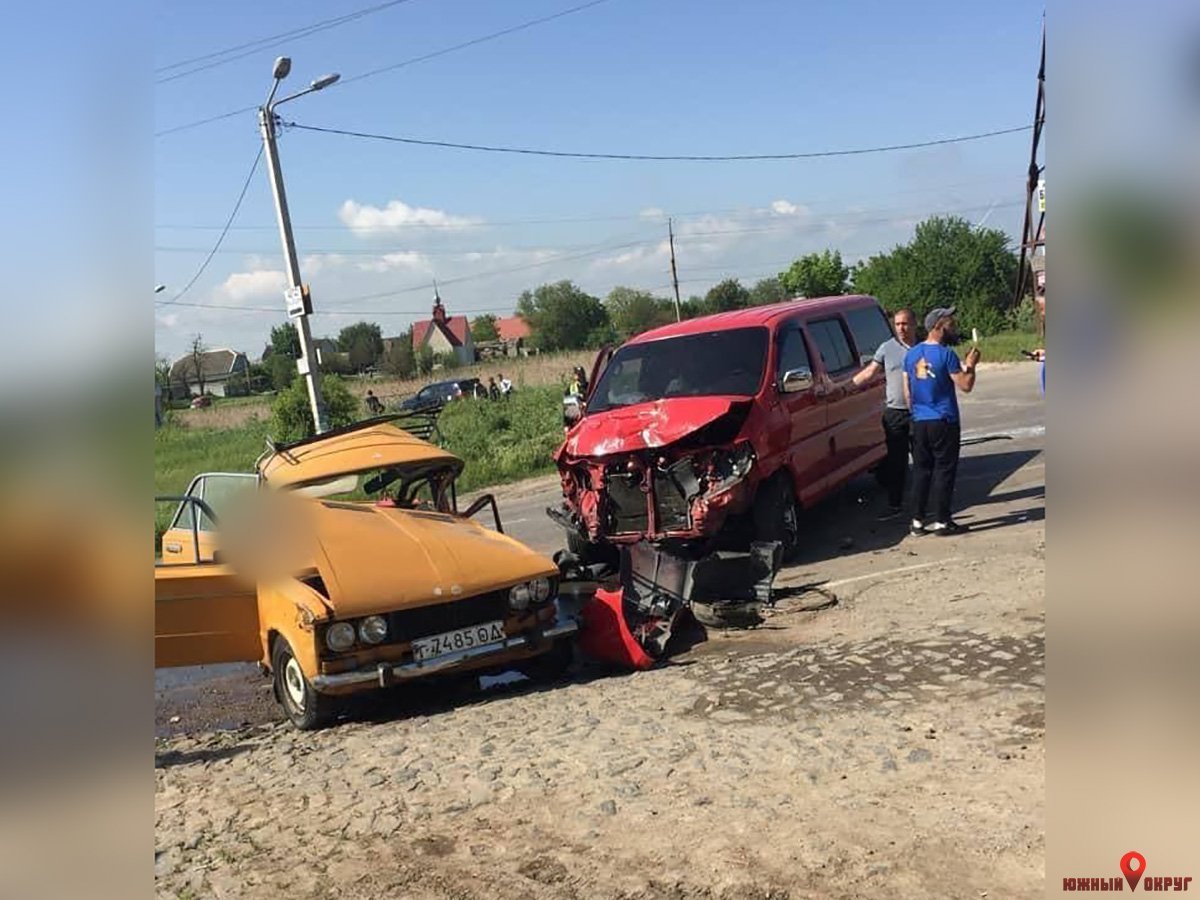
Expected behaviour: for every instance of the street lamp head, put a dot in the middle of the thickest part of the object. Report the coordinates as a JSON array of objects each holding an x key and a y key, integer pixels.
[
  {"x": 159, "y": 288},
  {"x": 325, "y": 81},
  {"x": 283, "y": 66}
]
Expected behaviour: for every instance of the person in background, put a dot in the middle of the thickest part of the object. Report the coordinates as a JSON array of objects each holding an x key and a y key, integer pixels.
[
  {"x": 493, "y": 390},
  {"x": 897, "y": 420},
  {"x": 581, "y": 376},
  {"x": 933, "y": 375},
  {"x": 1039, "y": 295},
  {"x": 374, "y": 406},
  {"x": 506, "y": 386}
]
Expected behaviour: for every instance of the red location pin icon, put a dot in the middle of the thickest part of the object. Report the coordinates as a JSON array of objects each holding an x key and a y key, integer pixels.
[{"x": 1133, "y": 864}]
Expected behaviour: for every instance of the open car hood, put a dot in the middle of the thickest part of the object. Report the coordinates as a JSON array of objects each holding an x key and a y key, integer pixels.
[
  {"x": 380, "y": 559},
  {"x": 361, "y": 449},
  {"x": 645, "y": 425}
]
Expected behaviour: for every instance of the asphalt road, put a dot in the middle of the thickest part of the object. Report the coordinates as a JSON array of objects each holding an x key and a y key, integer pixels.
[{"x": 1001, "y": 482}]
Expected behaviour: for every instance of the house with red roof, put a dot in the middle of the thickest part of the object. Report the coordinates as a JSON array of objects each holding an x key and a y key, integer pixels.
[
  {"x": 513, "y": 329},
  {"x": 444, "y": 334}
]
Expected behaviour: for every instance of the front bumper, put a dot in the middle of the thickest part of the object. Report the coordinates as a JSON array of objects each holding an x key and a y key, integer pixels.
[{"x": 385, "y": 674}]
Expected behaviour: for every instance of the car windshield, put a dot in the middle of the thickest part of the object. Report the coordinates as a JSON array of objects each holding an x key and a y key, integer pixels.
[{"x": 716, "y": 363}]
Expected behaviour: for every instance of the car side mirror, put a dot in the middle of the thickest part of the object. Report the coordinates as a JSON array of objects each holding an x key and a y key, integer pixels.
[{"x": 795, "y": 380}]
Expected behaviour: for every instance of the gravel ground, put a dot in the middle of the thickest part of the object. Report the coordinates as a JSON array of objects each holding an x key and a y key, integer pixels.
[{"x": 888, "y": 745}]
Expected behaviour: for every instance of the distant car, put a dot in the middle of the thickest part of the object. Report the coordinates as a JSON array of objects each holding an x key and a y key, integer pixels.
[
  {"x": 438, "y": 394},
  {"x": 201, "y": 401}
]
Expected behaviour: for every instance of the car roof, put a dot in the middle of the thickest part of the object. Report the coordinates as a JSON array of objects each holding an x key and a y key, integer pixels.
[
  {"x": 369, "y": 445},
  {"x": 755, "y": 316}
]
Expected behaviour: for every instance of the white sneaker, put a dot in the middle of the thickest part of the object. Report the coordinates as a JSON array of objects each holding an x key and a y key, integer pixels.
[{"x": 917, "y": 527}]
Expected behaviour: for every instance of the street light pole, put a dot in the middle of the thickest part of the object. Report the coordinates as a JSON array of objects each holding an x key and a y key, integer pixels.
[{"x": 307, "y": 364}]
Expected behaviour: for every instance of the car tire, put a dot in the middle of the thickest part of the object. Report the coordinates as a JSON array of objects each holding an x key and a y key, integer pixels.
[
  {"x": 551, "y": 665},
  {"x": 304, "y": 707},
  {"x": 590, "y": 553},
  {"x": 728, "y": 615},
  {"x": 777, "y": 514}
]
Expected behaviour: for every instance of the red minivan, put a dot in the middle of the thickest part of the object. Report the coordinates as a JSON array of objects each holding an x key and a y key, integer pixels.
[{"x": 726, "y": 418}]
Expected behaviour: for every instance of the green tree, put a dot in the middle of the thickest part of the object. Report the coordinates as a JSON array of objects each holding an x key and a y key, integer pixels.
[
  {"x": 399, "y": 359},
  {"x": 948, "y": 262},
  {"x": 632, "y": 311},
  {"x": 162, "y": 376},
  {"x": 425, "y": 359},
  {"x": 291, "y": 416},
  {"x": 483, "y": 328},
  {"x": 364, "y": 342},
  {"x": 769, "y": 290},
  {"x": 282, "y": 370},
  {"x": 285, "y": 341},
  {"x": 561, "y": 316},
  {"x": 817, "y": 275},
  {"x": 726, "y": 295}
]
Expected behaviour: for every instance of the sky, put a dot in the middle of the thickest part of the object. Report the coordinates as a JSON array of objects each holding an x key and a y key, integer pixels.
[{"x": 376, "y": 222}]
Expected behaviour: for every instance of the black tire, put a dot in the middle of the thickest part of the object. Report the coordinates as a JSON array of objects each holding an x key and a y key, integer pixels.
[
  {"x": 304, "y": 707},
  {"x": 549, "y": 666},
  {"x": 728, "y": 615},
  {"x": 777, "y": 515},
  {"x": 589, "y": 553}
]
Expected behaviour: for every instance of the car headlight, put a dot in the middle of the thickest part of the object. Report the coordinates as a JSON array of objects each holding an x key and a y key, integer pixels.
[
  {"x": 339, "y": 637},
  {"x": 519, "y": 597},
  {"x": 372, "y": 629},
  {"x": 540, "y": 588}
]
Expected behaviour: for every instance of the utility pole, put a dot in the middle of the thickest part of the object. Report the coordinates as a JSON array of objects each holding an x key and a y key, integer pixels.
[
  {"x": 674, "y": 275},
  {"x": 307, "y": 364},
  {"x": 1031, "y": 235}
]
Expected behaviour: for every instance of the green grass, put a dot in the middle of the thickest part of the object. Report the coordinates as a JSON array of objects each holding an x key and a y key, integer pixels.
[
  {"x": 506, "y": 440},
  {"x": 1006, "y": 346}
]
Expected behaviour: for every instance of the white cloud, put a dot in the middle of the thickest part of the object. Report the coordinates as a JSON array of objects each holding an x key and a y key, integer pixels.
[
  {"x": 788, "y": 208},
  {"x": 403, "y": 260},
  {"x": 652, "y": 212},
  {"x": 167, "y": 320},
  {"x": 368, "y": 220},
  {"x": 252, "y": 285}
]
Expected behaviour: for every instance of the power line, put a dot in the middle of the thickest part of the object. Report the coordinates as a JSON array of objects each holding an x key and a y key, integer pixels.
[
  {"x": 211, "y": 60},
  {"x": 475, "y": 41},
  {"x": 737, "y": 157},
  {"x": 224, "y": 231},
  {"x": 655, "y": 216},
  {"x": 531, "y": 23}
]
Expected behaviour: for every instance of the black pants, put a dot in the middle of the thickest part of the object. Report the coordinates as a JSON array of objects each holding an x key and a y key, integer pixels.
[
  {"x": 935, "y": 466},
  {"x": 897, "y": 430}
]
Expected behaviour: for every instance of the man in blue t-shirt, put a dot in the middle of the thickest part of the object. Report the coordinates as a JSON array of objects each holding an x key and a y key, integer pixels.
[{"x": 932, "y": 377}]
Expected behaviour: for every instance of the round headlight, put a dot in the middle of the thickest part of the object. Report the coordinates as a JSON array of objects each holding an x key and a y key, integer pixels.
[
  {"x": 519, "y": 597},
  {"x": 541, "y": 589},
  {"x": 340, "y": 637},
  {"x": 372, "y": 629}
]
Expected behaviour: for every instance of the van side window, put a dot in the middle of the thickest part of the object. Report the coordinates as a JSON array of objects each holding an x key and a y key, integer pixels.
[
  {"x": 831, "y": 342},
  {"x": 793, "y": 354},
  {"x": 869, "y": 328}
]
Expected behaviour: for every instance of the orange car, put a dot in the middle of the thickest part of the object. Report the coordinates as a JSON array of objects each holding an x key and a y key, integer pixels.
[{"x": 370, "y": 576}]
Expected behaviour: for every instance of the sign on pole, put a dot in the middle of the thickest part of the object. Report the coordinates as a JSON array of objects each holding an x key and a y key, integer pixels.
[{"x": 299, "y": 301}]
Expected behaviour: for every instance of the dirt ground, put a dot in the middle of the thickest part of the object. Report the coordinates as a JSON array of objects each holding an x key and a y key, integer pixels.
[{"x": 890, "y": 744}]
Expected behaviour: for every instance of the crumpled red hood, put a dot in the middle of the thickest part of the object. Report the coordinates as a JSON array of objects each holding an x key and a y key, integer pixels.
[{"x": 645, "y": 425}]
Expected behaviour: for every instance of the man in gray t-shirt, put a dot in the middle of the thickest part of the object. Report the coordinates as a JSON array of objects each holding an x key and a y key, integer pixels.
[{"x": 897, "y": 422}]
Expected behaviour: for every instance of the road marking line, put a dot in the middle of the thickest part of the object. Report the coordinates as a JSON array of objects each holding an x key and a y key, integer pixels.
[
  {"x": 928, "y": 565},
  {"x": 516, "y": 521},
  {"x": 1013, "y": 433}
]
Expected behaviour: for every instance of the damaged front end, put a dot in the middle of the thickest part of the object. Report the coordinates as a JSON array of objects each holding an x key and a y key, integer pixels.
[{"x": 659, "y": 509}]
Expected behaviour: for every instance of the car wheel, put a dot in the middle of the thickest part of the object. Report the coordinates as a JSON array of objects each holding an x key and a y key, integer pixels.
[
  {"x": 777, "y": 515},
  {"x": 551, "y": 665},
  {"x": 728, "y": 615},
  {"x": 304, "y": 707}
]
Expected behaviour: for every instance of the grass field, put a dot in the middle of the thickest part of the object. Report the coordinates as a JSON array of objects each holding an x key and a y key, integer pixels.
[{"x": 500, "y": 442}]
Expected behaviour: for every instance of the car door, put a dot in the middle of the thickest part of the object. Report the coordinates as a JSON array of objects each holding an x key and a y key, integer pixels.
[
  {"x": 203, "y": 612},
  {"x": 869, "y": 327},
  {"x": 844, "y": 411},
  {"x": 191, "y": 536},
  {"x": 798, "y": 419}
]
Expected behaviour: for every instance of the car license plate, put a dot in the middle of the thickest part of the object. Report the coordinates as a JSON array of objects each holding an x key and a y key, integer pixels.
[{"x": 457, "y": 640}]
